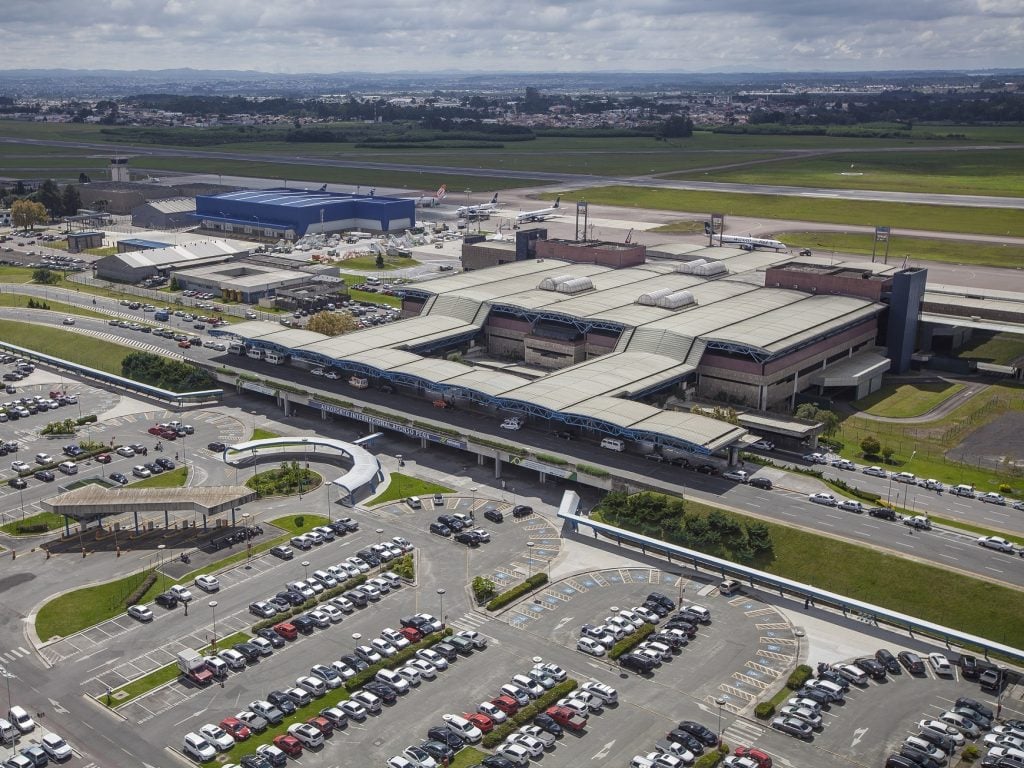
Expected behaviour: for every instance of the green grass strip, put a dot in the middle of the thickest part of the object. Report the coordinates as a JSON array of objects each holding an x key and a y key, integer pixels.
[
  {"x": 403, "y": 485},
  {"x": 172, "y": 478},
  {"x": 49, "y": 519}
]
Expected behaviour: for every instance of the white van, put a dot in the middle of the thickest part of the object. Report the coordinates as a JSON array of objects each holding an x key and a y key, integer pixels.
[
  {"x": 68, "y": 467},
  {"x": 613, "y": 444},
  {"x": 962, "y": 490},
  {"x": 8, "y": 733}
]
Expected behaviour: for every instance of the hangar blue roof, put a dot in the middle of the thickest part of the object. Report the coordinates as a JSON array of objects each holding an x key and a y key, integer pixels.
[{"x": 298, "y": 198}]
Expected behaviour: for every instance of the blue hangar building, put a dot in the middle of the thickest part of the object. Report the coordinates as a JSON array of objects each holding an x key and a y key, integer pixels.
[{"x": 293, "y": 213}]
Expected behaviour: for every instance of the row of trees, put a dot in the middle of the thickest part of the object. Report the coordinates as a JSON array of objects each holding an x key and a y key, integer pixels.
[
  {"x": 50, "y": 201},
  {"x": 173, "y": 375}
]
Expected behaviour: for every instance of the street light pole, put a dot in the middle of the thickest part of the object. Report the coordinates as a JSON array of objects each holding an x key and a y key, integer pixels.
[
  {"x": 721, "y": 703},
  {"x": 529, "y": 560},
  {"x": 440, "y": 594},
  {"x": 213, "y": 607},
  {"x": 305, "y": 568},
  {"x": 160, "y": 548}
]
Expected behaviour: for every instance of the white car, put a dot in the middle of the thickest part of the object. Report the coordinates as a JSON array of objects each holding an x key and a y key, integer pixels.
[
  {"x": 394, "y": 679},
  {"x": 997, "y": 543},
  {"x": 816, "y": 458},
  {"x": 20, "y": 466},
  {"x": 552, "y": 670},
  {"x": 764, "y": 445},
  {"x": 1003, "y": 740},
  {"x": 427, "y": 670},
  {"x": 353, "y": 709},
  {"x": 993, "y": 498},
  {"x": 207, "y": 583},
  {"x": 308, "y": 735},
  {"x": 369, "y": 701},
  {"x": 383, "y": 647},
  {"x": 826, "y": 499},
  {"x": 514, "y": 753},
  {"x": 531, "y": 686},
  {"x": 809, "y": 716},
  {"x": 318, "y": 371},
  {"x": 217, "y": 736},
  {"x": 125, "y": 451},
  {"x": 460, "y": 726},
  {"x": 621, "y": 624},
  {"x": 874, "y": 471},
  {"x": 531, "y": 744},
  {"x": 497, "y": 715},
  {"x": 940, "y": 664},
  {"x": 843, "y": 464},
  {"x": 333, "y": 613},
  {"x": 198, "y": 748},
  {"x": 961, "y": 723},
  {"x": 55, "y": 747},
  {"x": 180, "y": 592},
  {"x": 544, "y": 737},
  {"x": 647, "y": 615},
  {"x": 604, "y": 692},
  {"x": 342, "y": 603},
  {"x": 512, "y": 424},
  {"x": 140, "y": 471},
  {"x": 410, "y": 674},
  {"x": 850, "y": 505},
  {"x": 482, "y": 534},
  {"x": 736, "y": 474},
  {"x": 591, "y": 646},
  {"x": 438, "y": 661},
  {"x": 942, "y": 729}
]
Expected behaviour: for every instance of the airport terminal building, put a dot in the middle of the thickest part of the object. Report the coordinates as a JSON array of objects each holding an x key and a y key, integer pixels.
[
  {"x": 601, "y": 349},
  {"x": 293, "y": 213}
]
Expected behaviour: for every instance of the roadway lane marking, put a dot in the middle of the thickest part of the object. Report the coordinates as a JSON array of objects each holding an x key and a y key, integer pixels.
[{"x": 995, "y": 570}]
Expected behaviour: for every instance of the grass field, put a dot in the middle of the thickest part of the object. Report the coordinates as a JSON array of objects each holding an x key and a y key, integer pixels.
[
  {"x": 689, "y": 227},
  {"x": 916, "y": 248},
  {"x": 295, "y": 524},
  {"x": 869, "y": 575},
  {"x": 19, "y": 300},
  {"x": 81, "y": 608},
  {"x": 174, "y": 478},
  {"x": 369, "y": 263},
  {"x": 998, "y": 348},
  {"x": 921, "y": 448},
  {"x": 406, "y": 485},
  {"x": 968, "y": 172},
  {"x": 905, "y": 400},
  {"x": 75, "y": 347},
  {"x": 49, "y": 519},
  {"x": 939, "y": 218},
  {"x": 259, "y": 433}
]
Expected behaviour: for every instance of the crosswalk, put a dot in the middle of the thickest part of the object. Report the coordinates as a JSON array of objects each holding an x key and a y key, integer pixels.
[
  {"x": 15, "y": 653},
  {"x": 742, "y": 732},
  {"x": 469, "y": 621}
]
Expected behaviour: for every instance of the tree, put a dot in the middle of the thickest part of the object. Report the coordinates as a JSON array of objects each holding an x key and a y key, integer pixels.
[
  {"x": 49, "y": 196},
  {"x": 676, "y": 127},
  {"x": 870, "y": 446},
  {"x": 811, "y": 412},
  {"x": 26, "y": 214},
  {"x": 70, "y": 200},
  {"x": 379, "y": 261},
  {"x": 83, "y": 179},
  {"x": 887, "y": 452},
  {"x": 331, "y": 323},
  {"x": 483, "y": 588},
  {"x": 45, "y": 276}
]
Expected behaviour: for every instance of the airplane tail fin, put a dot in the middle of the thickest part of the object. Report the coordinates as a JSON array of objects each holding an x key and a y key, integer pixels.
[
  {"x": 558, "y": 201},
  {"x": 442, "y": 191},
  {"x": 323, "y": 188},
  {"x": 494, "y": 200}
]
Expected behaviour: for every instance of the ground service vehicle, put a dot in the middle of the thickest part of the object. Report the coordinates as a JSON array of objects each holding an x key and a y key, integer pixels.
[{"x": 193, "y": 666}]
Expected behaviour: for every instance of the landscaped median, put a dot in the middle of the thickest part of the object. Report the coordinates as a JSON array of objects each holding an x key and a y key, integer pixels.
[
  {"x": 511, "y": 595},
  {"x": 525, "y": 715},
  {"x": 629, "y": 642},
  {"x": 795, "y": 682},
  {"x": 163, "y": 675},
  {"x": 331, "y": 699}
]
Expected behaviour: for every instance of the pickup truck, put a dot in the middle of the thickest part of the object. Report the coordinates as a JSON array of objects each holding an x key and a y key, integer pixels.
[{"x": 567, "y": 718}]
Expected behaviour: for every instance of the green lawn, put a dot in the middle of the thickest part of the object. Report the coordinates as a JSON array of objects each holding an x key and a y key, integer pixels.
[
  {"x": 940, "y": 218},
  {"x": 905, "y": 400},
  {"x": 81, "y": 608},
  {"x": 869, "y": 575},
  {"x": 296, "y": 524},
  {"x": 901, "y": 247},
  {"x": 991, "y": 347},
  {"x": 174, "y": 478},
  {"x": 685, "y": 227},
  {"x": 19, "y": 300},
  {"x": 407, "y": 485},
  {"x": 259, "y": 433},
  {"x": 369, "y": 263},
  {"x": 75, "y": 347},
  {"x": 929, "y": 442},
  {"x": 52, "y": 522},
  {"x": 965, "y": 172}
]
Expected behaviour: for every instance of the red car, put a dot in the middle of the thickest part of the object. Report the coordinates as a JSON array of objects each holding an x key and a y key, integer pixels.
[
  {"x": 103, "y": 458},
  {"x": 411, "y": 634},
  {"x": 326, "y": 726},
  {"x": 238, "y": 730},
  {"x": 483, "y": 722},
  {"x": 763, "y": 759},
  {"x": 168, "y": 434},
  {"x": 288, "y": 744},
  {"x": 155, "y": 430},
  {"x": 287, "y": 630},
  {"x": 567, "y": 718},
  {"x": 184, "y": 344},
  {"x": 506, "y": 704}
]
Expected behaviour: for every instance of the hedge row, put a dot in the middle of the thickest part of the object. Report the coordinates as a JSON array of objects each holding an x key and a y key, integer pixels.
[
  {"x": 32, "y": 528},
  {"x": 90, "y": 419},
  {"x": 764, "y": 710},
  {"x": 310, "y": 604},
  {"x": 503, "y": 599},
  {"x": 142, "y": 589},
  {"x": 629, "y": 642},
  {"x": 713, "y": 758},
  {"x": 359, "y": 679},
  {"x": 798, "y": 677},
  {"x": 530, "y": 711}
]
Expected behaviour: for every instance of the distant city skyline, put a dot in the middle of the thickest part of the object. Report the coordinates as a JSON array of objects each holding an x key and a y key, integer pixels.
[{"x": 325, "y": 36}]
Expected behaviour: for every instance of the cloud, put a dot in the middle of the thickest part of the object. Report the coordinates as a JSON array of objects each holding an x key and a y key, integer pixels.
[{"x": 528, "y": 35}]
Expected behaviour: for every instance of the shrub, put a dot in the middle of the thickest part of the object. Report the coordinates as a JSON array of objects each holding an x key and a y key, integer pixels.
[
  {"x": 764, "y": 710},
  {"x": 537, "y": 580},
  {"x": 483, "y": 588},
  {"x": 90, "y": 419},
  {"x": 527, "y": 713},
  {"x": 971, "y": 753},
  {"x": 587, "y": 469},
  {"x": 870, "y": 446},
  {"x": 391, "y": 662},
  {"x": 799, "y": 676},
  {"x": 405, "y": 567},
  {"x": 1005, "y": 488},
  {"x": 628, "y": 643},
  {"x": 32, "y": 528},
  {"x": 712, "y": 758},
  {"x": 140, "y": 590}
]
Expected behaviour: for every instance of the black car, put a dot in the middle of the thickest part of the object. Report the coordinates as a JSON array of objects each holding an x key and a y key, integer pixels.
[
  {"x": 117, "y": 477},
  {"x": 154, "y": 468},
  {"x": 353, "y": 661},
  {"x": 250, "y": 651},
  {"x": 440, "y": 529},
  {"x": 884, "y": 657},
  {"x": 497, "y": 761},
  {"x": 825, "y": 672},
  {"x": 678, "y": 622},
  {"x": 271, "y": 637},
  {"x": 977, "y": 706},
  {"x": 687, "y": 739},
  {"x": 546, "y": 722},
  {"x": 215, "y": 446},
  {"x": 468, "y": 538},
  {"x": 969, "y": 667},
  {"x": 442, "y": 734},
  {"x": 707, "y": 469},
  {"x": 386, "y": 693},
  {"x": 911, "y": 662},
  {"x": 282, "y": 701},
  {"x": 255, "y": 761},
  {"x": 701, "y": 733},
  {"x": 304, "y": 624},
  {"x": 675, "y": 642},
  {"x": 562, "y": 435},
  {"x": 899, "y": 761},
  {"x": 521, "y": 510},
  {"x": 291, "y": 596},
  {"x": 369, "y": 557},
  {"x": 45, "y": 475},
  {"x": 166, "y": 600},
  {"x": 823, "y": 698},
  {"x": 17, "y": 482},
  {"x": 657, "y": 608},
  {"x": 165, "y": 463},
  {"x": 285, "y": 553},
  {"x": 640, "y": 664},
  {"x": 451, "y": 522},
  {"x": 919, "y": 756},
  {"x": 438, "y": 750},
  {"x": 357, "y": 597},
  {"x": 872, "y": 667},
  {"x": 494, "y": 516},
  {"x": 760, "y": 482},
  {"x": 883, "y": 512},
  {"x": 339, "y": 528}
]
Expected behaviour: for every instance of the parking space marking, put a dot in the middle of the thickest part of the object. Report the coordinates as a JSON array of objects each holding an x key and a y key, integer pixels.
[
  {"x": 764, "y": 669},
  {"x": 772, "y": 625},
  {"x": 774, "y": 656},
  {"x": 758, "y": 611},
  {"x": 737, "y": 692},
  {"x": 746, "y": 679}
]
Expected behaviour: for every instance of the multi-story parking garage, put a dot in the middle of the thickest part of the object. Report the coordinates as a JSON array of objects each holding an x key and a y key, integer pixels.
[{"x": 599, "y": 348}]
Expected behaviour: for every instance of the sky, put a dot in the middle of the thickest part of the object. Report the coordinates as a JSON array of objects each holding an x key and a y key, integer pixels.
[{"x": 286, "y": 36}]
